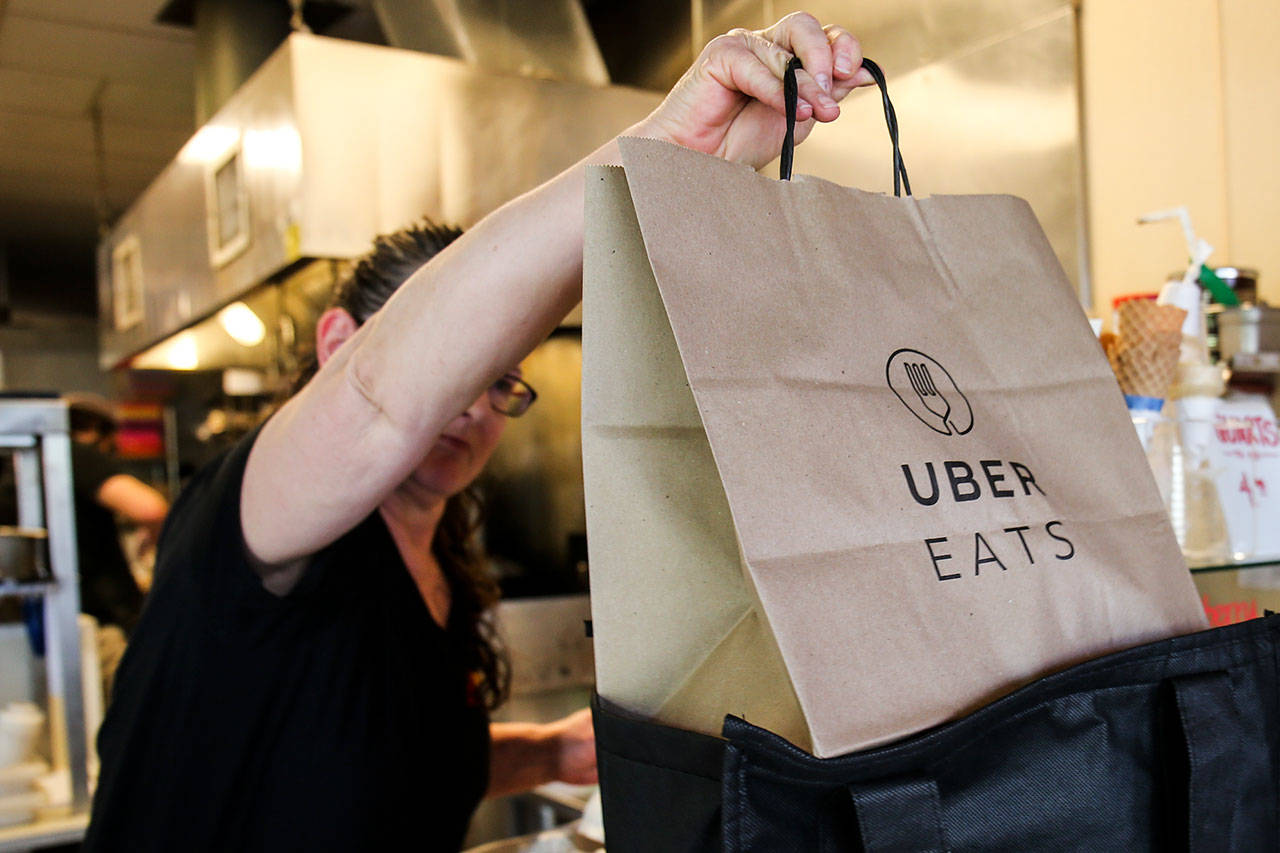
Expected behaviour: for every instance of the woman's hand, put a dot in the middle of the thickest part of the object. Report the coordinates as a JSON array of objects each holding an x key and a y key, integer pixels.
[
  {"x": 575, "y": 748},
  {"x": 523, "y": 756},
  {"x": 730, "y": 103}
]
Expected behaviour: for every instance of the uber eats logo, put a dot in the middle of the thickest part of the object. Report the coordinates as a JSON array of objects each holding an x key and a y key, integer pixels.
[
  {"x": 928, "y": 391},
  {"x": 931, "y": 394}
]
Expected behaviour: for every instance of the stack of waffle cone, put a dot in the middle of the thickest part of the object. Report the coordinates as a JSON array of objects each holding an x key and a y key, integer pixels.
[{"x": 1144, "y": 351}]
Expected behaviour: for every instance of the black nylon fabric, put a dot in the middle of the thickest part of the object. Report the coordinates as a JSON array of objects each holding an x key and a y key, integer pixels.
[
  {"x": 898, "y": 815},
  {"x": 659, "y": 786},
  {"x": 1170, "y": 746}
]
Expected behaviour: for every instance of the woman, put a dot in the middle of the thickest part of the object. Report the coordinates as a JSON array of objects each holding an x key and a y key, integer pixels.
[{"x": 293, "y": 682}]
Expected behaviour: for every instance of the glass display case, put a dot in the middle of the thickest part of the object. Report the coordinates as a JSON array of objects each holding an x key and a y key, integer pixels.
[{"x": 1236, "y": 591}]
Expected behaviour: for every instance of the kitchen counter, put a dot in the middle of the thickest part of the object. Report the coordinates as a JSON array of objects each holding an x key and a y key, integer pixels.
[
  {"x": 45, "y": 831},
  {"x": 1234, "y": 592}
]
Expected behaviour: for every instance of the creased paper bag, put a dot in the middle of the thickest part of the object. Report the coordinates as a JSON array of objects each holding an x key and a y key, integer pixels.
[{"x": 854, "y": 464}]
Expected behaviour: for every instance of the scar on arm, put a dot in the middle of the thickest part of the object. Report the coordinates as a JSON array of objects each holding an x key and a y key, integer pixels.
[{"x": 354, "y": 376}]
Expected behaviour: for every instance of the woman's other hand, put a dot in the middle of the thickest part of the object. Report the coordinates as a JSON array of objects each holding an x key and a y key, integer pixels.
[
  {"x": 575, "y": 747},
  {"x": 730, "y": 102},
  {"x": 525, "y": 755}
]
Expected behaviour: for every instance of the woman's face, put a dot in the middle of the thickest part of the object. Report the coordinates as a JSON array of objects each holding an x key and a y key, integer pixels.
[{"x": 461, "y": 451}]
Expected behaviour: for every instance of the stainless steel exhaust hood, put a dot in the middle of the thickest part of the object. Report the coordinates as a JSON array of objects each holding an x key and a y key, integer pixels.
[
  {"x": 533, "y": 38},
  {"x": 328, "y": 144}
]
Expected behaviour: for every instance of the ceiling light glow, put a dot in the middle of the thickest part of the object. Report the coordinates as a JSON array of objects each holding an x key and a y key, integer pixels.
[
  {"x": 210, "y": 144},
  {"x": 244, "y": 326},
  {"x": 181, "y": 352}
]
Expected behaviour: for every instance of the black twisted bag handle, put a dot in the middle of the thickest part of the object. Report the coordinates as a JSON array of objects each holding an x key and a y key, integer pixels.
[{"x": 790, "y": 96}]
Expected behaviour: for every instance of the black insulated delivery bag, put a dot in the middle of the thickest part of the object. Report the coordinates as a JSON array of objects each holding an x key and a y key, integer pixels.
[{"x": 1166, "y": 747}]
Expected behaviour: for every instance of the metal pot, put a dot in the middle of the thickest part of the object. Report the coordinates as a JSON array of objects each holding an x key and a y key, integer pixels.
[
  {"x": 1242, "y": 280},
  {"x": 1248, "y": 330}
]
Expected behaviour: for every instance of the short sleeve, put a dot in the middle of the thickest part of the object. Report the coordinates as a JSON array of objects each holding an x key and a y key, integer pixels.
[
  {"x": 203, "y": 541},
  {"x": 202, "y": 555}
]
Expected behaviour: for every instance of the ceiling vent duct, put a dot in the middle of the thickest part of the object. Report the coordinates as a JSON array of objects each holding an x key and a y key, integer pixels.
[
  {"x": 234, "y": 37},
  {"x": 549, "y": 39}
]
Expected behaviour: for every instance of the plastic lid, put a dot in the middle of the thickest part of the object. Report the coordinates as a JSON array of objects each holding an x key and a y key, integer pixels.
[
  {"x": 1116, "y": 302},
  {"x": 1233, "y": 273}
]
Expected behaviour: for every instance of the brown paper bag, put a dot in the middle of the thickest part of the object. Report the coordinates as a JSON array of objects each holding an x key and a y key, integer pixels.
[{"x": 854, "y": 464}]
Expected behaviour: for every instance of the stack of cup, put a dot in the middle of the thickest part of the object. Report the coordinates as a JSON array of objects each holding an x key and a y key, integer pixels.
[
  {"x": 1144, "y": 355},
  {"x": 20, "y": 797}
]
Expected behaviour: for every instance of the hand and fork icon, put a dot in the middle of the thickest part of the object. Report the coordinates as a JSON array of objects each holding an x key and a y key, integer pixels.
[{"x": 922, "y": 384}]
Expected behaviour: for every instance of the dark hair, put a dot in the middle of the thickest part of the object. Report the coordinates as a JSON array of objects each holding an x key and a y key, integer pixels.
[
  {"x": 392, "y": 260},
  {"x": 87, "y": 413},
  {"x": 473, "y": 590}
]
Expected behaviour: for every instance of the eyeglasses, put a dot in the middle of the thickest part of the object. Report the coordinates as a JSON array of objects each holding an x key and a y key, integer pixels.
[{"x": 511, "y": 396}]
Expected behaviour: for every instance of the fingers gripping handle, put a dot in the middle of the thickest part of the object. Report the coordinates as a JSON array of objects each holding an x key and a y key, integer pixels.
[{"x": 790, "y": 95}]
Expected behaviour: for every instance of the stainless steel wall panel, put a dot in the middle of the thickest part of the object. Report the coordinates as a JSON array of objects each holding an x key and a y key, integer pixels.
[
  {"x": 998, "y": 116},
  {"x": 503, "y": 136},
  {"x": 986, "y": 93},
  {"x": 909, "y": 34}
]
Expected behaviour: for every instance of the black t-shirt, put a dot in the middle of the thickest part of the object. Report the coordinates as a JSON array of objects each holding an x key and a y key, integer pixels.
[
  {"x": 108, "y": 591},
  {"x": 334, "y": 718}
]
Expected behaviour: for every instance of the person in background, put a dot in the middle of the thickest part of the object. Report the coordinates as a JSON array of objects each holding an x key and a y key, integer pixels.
[
  {"x": 314, "y": 669},
  {"x": 103, "y": 490}
]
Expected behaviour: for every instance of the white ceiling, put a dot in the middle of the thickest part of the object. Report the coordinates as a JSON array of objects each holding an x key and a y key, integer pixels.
[{"x": 56, "y": 58}]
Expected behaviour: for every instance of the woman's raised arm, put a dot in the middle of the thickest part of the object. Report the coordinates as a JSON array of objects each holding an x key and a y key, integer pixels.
[{"x": 355, "y": 432}]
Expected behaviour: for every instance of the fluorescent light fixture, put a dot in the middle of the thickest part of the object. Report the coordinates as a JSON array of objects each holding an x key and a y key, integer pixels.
[
  {"x": 244, "y": 326},
  {"x": 278, "y": 148},
  {"x": 181, "y": 352},
  {"x": 210, "y": 143}
]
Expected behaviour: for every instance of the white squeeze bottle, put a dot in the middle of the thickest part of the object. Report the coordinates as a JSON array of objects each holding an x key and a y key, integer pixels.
[
  {"x": 1185, "y": 293},
  {"x": 1194, "y": 505},
  {"x": 1191, "y": 494}
]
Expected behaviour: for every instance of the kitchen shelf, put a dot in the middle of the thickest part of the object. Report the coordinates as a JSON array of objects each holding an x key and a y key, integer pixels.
[
  {"x": 36, "y": 432},
  {"x": 44, "y": 832},
  {"x": 27, "y": 589}
]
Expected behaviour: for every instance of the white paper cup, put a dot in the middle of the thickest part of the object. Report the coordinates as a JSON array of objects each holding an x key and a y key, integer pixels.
[{"x": 20, "y": 726}]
